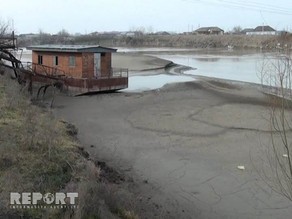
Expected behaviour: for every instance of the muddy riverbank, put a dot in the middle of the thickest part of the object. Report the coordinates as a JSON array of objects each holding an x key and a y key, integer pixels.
[{"x": 182, "y": 146}]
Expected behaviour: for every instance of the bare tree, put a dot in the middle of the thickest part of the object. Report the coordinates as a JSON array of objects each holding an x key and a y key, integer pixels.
[
  {"x": 63, "y": 33},
  {"x": 6, "y": 34},
  {"x": 276, "y": 78},
  {"x": 150, "y": 30},
  {"x": 63, "y": 36},
  {"x": 6, "y": 27},
  {"x": 140, "y": 29},
  {"x": 44, "y": 37},
  {"x": 236, "y": 29},
  {"x": 7, "y": 39}
]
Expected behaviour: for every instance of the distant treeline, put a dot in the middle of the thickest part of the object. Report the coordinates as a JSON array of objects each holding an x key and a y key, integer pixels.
[{"x": 177, "y": 41}]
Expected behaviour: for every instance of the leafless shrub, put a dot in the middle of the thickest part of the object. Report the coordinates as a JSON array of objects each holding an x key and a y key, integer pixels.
[{"x": 276, "y": 167}]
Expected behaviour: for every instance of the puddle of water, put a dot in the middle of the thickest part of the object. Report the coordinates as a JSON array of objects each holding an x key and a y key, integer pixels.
[{"x": 144, "y": 83}]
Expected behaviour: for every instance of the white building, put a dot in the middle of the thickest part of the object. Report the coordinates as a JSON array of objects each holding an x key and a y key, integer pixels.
[{"x": 262, "y": 30}]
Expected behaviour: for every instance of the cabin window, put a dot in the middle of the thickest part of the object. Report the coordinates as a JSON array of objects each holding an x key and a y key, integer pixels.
[
  {"x": 40, "y": 59},
  {"x": 103, "y": 54},
  {"x": 72, "y": 61},
  {"x": 56, "y": 60}
]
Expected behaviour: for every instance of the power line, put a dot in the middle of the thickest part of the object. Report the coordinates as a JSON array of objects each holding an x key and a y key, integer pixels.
[
  {"x": 240, "y": 5},
  {"x": 256, "y": 6},
  {"x": 248, "y": 5}
]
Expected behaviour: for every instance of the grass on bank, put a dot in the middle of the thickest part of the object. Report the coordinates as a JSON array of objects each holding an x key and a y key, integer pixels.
[{"x": 38, "y": 155}]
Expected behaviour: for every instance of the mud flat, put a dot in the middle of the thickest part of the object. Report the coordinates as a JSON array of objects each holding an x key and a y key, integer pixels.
[{"x": 182, "y": 146}]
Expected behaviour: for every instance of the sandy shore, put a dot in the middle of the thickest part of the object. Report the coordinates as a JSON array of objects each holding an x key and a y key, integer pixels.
[{"x": 182, "y": 145}]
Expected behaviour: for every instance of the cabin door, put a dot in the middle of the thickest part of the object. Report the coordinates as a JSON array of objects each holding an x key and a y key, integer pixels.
[{"x": 97, "y": 72}]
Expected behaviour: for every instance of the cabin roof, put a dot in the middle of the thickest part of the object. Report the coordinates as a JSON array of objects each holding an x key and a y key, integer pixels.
[{"x": 71, "y": 48}]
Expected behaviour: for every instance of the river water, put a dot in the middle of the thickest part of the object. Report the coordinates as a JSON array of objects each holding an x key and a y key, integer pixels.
[
  {"x": 238, "y": 65},
  {"x": 243, "y": 66}
]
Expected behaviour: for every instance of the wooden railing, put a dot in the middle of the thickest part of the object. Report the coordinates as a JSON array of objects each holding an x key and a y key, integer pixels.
[
  {"x": 43, "y": 69},
  {"x": 53, "y": 71}
]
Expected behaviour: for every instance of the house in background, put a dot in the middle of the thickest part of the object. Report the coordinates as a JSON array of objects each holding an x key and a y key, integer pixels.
[
  {"x": 81, "y": 68},
  {"x": 246, "y": 30},
  {"x": 262, "y": 30},
  {"x": 210, "y": 31},
  {"x": 133, "y": 33}
]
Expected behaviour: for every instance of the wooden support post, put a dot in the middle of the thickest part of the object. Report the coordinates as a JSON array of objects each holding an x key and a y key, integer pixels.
[{"x": 30, "y": 85}]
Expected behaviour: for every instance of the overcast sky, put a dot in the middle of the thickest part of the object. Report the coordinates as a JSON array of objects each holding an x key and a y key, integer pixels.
[{"x": 85, "y": 16}]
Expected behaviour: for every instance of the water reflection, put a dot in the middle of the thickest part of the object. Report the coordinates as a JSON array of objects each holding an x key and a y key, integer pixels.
[
  {"x": 207, "y": 59},
  {"x": 143, "y": 83}
]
